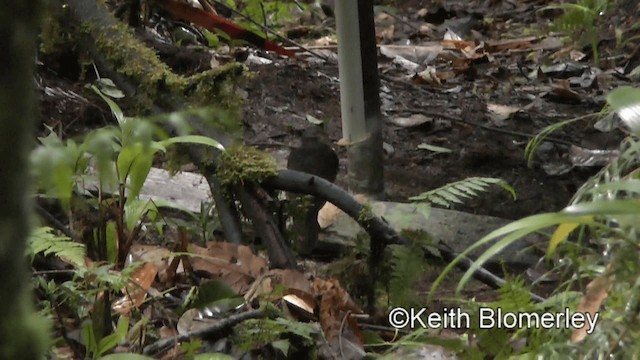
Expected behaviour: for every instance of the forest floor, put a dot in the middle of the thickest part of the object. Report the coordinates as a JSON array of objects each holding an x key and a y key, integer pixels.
[
  {"x": 462, "y": 93},
  {"x": 490, "y": 109},
  {"x": 499, "y": 77}
]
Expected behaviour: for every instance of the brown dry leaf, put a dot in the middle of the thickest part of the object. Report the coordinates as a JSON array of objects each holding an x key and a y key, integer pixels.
[
  {"x": 293, "y": 280},
  {"x": 429, "y": 76},
  {"x": 235, "y": 265},
  {"x": 562, "y": 89},
  {"x": 457, "y": 44},
  {"x": 596, "y": 292},
  {"x": 335, "y": 304},
  {"x": 385, "y": 28},
  {"x": 160, "y": 256},
  {"x": 136, "y": 289},
  {"x": 510, "y": 44}
]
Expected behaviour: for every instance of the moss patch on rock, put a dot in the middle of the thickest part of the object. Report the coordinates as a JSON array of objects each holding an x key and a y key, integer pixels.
[{"x": 242, "y": 163}]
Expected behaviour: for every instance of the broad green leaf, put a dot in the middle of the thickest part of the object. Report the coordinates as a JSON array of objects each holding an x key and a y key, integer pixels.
[
  {"x": 112, "y": 241},
  {"x": 101, "y": 144},
  {"x": 109, "y": 342},
  {"x": 135, "y": 209},
  {"x": 134, "y": 164},
  {"x": 282, "y": 345},
  {"x": 632, "y": 185},
  {"x": 625, "y": 101},
  {"x": 89, "y": 338},
  {"x": 115, "y": 109},
  {"x": 623, "y": 97},
  {"x": 193, "y": 139},
  {"x": 54, "y": 168},
  {"x": 108, "y": 88},
  {"x": 63, "y": 181}
]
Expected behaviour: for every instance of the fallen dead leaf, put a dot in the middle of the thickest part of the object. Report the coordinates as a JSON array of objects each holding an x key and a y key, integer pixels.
[
  {"x": 596, "y": 293},
  {"x": 136, "y": 289},
  {"x": 235, "y": 265}
]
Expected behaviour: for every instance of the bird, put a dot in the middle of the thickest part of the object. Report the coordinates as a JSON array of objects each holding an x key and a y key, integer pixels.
[{"x": 315, "y": 157}]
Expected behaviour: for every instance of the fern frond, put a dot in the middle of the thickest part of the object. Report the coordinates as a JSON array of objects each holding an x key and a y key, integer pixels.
[
  {"x": 514, "y": 296},
  {"x": 43, "y": 240},
  {"x": 457, "y": 192},
  {"x": 407, "y": 267}
]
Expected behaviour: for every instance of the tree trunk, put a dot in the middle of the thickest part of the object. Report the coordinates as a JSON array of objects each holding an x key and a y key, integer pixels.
[
  {"x": 359, "y": 97},
  {"x": 22, "y": 335}
]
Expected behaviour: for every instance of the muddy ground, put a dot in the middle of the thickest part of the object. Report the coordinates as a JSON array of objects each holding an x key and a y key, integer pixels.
[{"x": 285, "y": 92}]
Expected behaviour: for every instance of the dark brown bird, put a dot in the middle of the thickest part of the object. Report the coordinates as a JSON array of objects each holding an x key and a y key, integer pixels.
[{"x": 316, "y": 157}]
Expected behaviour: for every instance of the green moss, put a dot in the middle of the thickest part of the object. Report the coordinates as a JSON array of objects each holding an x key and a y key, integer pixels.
[
  {"x": 241, "y": 163},
  {"x": 53, "y": 34},
  {"x": 131, "y": 58},
  {"x": 365, "y": 214},
  {"x": 218, "y": 84}
]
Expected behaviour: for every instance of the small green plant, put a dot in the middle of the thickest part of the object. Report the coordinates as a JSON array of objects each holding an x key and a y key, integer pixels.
[
  {"x": 580, "y": 21},
  {"x": 261, "y": 14},
  {"x": 97, "y": 180},
  {"x": 408, "y": 266},
  {"x": 119, "y": 157},
  {"x": 98, "y": 346},
  {"x": 606, "y": 209},
  {"x": 257, "y": 333}
]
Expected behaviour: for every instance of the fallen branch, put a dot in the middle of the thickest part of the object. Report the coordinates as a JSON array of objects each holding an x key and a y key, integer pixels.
[
  {"x": 210, "y": 331},
  {"x": 381, "y": 233}
]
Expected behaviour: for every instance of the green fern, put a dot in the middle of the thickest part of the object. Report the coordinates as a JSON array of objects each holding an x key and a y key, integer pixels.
[
  {"x": 456, "y": 192},
  {"x": 407, "y": 268},
  {"x": 514, "y": 296},
  {"x": 43, "y": 240}
]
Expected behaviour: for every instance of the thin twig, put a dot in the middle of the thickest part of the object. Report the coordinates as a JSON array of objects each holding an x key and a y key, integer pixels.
[
  {"x": 48, "y": 217},
  {"x": 216, "y": 327},
  {"x": 401, "y": 20}
]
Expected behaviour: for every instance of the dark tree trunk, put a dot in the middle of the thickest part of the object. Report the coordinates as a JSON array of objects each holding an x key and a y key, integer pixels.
[
  {"x": 21, "y": 334},
  {"x": 366, "y": 158}
]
